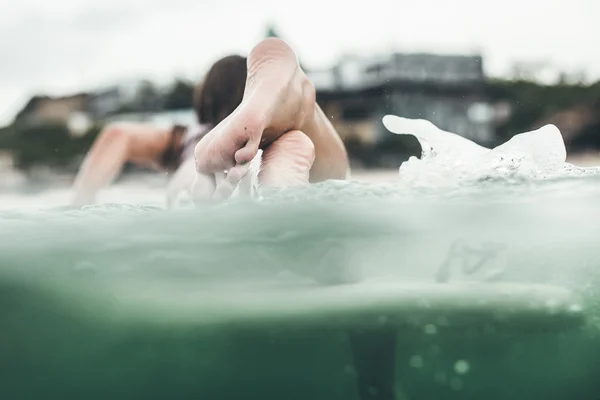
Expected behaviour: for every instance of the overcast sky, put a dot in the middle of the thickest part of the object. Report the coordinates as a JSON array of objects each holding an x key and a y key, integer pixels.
[{"x": 73, "y": 45}]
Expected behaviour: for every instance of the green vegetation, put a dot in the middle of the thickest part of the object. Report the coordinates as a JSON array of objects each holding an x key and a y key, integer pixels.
[
  {"x": 533, "y": 101},
  {"x": 150, "y": 99},
  {"x": 180, "y": 96},
  {"x": 49, "y": 144},
  {"x": 5, "y": 137}
]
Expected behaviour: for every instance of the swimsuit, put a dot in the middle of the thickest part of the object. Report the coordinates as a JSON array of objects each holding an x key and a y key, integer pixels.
[{"x": 181, "y": 145}]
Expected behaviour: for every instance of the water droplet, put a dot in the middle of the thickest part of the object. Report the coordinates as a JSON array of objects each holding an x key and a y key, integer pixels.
[
  {"x": 416, "y": 361},
  {"x": 430, "y": 329},
  {"x": 462, "y": 367}
]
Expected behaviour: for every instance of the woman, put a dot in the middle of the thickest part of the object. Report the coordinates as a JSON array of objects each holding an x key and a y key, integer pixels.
[
  {"x": 269, "y": 108},
  {"x": 168, "y": 150}
]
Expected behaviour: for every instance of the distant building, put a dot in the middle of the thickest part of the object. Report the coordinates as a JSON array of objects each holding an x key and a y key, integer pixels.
[
  {"x": 355, "y": 94},
  {"x": 80, "y": 111},
  {"x": 445, "y": 89}
]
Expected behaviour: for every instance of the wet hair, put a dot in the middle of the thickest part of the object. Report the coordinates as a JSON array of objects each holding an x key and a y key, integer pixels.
[{"x": 222, "y": 90}]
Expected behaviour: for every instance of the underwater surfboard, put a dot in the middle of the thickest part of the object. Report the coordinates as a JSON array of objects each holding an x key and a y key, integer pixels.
[
  {"x": 76, "y": 338},
  {"x": 429, "y": 306},
  {"x": 372, "y": 305}
]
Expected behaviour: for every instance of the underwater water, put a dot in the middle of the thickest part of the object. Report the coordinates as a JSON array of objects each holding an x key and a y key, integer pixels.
[{"x": 514, "y": 214}]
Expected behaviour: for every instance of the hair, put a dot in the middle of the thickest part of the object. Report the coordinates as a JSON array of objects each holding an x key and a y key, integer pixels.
[{"x": 222, "y": 90}]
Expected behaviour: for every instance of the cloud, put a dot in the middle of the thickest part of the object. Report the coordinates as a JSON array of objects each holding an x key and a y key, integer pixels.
[
  {"x": 61, "y": 46},
  {"x": 40, "y": 46},
  {"x": 72, "y": 45}
]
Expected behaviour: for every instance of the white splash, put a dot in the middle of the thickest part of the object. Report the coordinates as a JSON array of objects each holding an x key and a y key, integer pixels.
[
  {"x": 180, "y": 187},
  {"x": 180, "y": 184},
  {"x": 249, "y": 185},
  {"x": 448, "y": 159}
]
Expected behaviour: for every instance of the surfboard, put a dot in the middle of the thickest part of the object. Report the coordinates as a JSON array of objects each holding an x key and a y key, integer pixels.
[
  {"x": 131, "y": 338},
  {"x": 417, "y": 306}
]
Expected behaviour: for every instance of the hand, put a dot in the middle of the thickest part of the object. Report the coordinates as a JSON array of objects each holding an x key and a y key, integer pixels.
[{"x": 218, "y": 186}]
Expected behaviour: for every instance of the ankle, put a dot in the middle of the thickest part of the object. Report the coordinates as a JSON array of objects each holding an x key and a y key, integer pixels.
[{"x": 308, "y": 102}]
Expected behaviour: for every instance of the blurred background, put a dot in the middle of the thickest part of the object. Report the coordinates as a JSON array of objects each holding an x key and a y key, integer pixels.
[{"x": 484, "y": 70}]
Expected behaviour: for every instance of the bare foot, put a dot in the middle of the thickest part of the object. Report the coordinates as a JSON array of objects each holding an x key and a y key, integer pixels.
[
  {"x": 278, "y": 98},
  {"x": 285, "y": 163},
  {"x": 288, "y": 161}
]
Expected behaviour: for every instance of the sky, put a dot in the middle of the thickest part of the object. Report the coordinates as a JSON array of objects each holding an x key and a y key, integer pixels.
[{"x": 69, "y": 46}]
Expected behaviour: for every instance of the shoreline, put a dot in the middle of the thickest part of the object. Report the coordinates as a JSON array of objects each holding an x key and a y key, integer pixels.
[
  {"x": 15, "y": 180},
  {"x": 585, "y": 160}
]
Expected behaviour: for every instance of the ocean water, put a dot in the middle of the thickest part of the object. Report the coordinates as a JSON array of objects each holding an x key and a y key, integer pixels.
[{"x": 514, "y": 214}]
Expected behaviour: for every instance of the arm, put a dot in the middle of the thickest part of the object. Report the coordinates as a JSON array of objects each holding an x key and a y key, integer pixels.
[{"x": 116, "y": 145}]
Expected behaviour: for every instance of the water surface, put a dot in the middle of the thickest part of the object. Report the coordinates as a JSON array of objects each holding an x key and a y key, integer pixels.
[{"x": 526, "y": 218}]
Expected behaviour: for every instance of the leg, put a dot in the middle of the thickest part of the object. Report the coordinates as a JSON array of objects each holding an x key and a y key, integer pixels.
[
  {"x": 287, "y": 162},
  {"x": 375, "y": 363},
  {"x": 278, "y": 98}
]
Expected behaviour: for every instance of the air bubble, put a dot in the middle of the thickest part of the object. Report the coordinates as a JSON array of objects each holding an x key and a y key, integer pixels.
[
  {"x": 462, "y": 367},
  {"x": 416, "y": 361}
]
